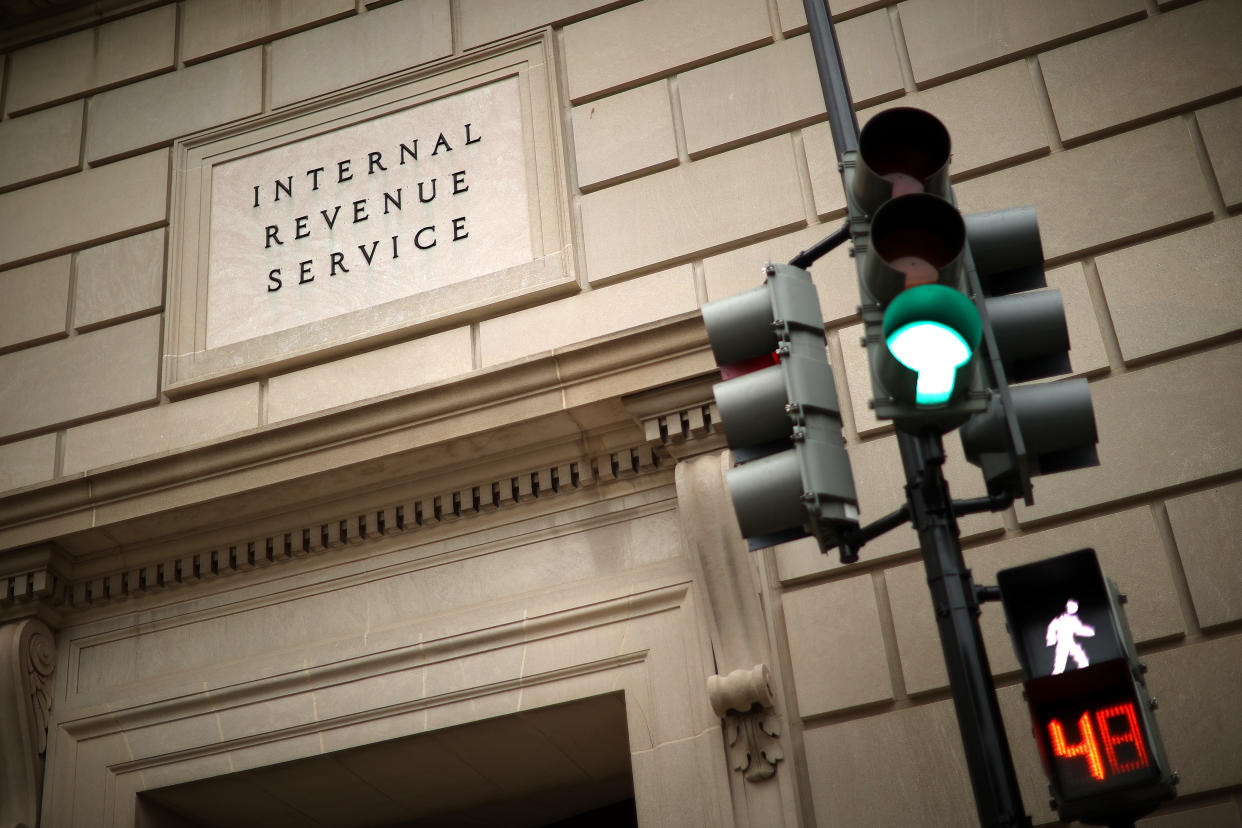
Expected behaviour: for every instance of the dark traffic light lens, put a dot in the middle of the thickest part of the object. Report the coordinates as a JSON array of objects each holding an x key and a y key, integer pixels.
[
  {"x": 918, "y": 239},
  {"x": 902, "y": 151}
]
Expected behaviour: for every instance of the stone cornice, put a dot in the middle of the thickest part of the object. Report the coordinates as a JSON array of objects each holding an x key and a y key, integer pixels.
[
  {"x": 324, "y": 531},
  {"x": 682, "y": 418},
  {"x": 365, "y": 483},
  {"x": 568, "y": 397},
  {"x": 86, "y": 722},
  {"x": 33, "y": 582}
]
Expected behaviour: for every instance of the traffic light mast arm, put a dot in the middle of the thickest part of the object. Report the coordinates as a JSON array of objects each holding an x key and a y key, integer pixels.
[
  {"x": 851, "y": 542},
  {"x": 988, "y": 503},
  {"x": 813, "y": 253}
]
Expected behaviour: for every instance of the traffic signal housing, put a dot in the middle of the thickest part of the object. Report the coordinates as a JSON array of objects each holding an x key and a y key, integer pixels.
[
  {"x": 955, "y": 309},
  {"x": 780, "y": 414},
  {"x": 1091, "y": 713},
  {"x": 922, "y": 330},
  {"x": 1028, "y": 429}
]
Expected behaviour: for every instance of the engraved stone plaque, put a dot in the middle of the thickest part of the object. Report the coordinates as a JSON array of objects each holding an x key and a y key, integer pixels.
[
  {"x": 364, "y": 218},
  {"x": 419, "y": 199}
]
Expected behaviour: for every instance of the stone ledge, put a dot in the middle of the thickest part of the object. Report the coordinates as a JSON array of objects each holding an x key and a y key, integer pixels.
[
  {"x": 331, "y": 534},
  {"x": 491, "y": 440}
]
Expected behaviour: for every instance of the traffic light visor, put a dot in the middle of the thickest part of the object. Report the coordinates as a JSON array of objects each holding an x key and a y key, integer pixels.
[
  {"x": 739, "y": 327},
  {"x": 902, "y": 150},
  {"x": 917, "y": 239}
]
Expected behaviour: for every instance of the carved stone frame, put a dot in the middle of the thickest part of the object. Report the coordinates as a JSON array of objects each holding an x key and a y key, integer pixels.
[{"x": 189, "y": 365}]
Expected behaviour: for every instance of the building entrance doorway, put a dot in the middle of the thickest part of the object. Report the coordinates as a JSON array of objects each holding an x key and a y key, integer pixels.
[{"x": 565, "y": 765}]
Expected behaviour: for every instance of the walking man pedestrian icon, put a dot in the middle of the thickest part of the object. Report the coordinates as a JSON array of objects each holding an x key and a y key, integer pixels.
[{"x": 1062, "y": 632}]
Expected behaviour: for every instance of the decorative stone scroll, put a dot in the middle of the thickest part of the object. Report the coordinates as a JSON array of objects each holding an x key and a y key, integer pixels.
[
  {"x": 744, "y": 700},
  {"x": 27, "y": 657},
  {"x": 740, "y": 690}
]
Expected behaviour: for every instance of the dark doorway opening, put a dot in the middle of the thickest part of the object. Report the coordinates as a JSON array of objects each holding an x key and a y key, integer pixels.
[{"x": 556, "y": 767}]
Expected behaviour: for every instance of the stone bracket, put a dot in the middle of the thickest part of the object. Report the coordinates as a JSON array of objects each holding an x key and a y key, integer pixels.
[
  {"x": 27, "y": 658},
  {"x": 744, "y": 700}
]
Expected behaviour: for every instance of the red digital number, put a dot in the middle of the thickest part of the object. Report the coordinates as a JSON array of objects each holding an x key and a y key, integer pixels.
[
  {"x": 1088, "y": 745},
  {"x": 1086, "y": 748},
  {"x": 1131, "y": 734}
]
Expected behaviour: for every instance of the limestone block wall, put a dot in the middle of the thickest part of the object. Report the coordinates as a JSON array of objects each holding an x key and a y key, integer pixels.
[{"x": 695, "y": 148}]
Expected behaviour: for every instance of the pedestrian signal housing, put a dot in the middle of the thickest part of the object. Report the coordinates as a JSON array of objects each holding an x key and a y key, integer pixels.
[{"x": 1091, "y": 713}]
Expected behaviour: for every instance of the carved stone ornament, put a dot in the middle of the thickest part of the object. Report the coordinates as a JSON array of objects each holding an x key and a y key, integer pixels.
[
  {"x": 744, "y": 700},
  {"x": 742, "y": 697},
  {"x": 27, "y": 657}
]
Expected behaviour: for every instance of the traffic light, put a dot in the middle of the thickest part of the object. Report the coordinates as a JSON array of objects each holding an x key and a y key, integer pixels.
[
  {"x": 956, "y": 308},
  {"x": 1091, "y": 713},
  {"x": 1034, "y": 429},
  {"x": 780, "y": 413},
  {"x": 922, "y": 330}
]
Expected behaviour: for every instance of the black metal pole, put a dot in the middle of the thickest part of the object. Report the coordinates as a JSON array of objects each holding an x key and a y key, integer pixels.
[
  {"x": 998, "y": 799},
  {"x": 837, "y": 98}
]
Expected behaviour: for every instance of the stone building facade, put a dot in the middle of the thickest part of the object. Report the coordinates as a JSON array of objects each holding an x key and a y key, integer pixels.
[{"x": 434, "y": 533}]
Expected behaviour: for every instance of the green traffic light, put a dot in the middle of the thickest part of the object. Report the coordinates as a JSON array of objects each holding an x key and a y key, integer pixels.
[
  {"x": 932, "y": 330},
  {"x": 935, "y": 352}
]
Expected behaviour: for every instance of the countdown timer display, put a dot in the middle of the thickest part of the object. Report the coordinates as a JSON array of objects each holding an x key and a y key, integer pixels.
[{"x": 1096, "y": 747}]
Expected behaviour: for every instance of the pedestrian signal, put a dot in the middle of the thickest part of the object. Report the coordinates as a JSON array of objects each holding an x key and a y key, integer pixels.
[
  {"x": 1091, "y": 714},
  {"x": 1063, "y": 632}
]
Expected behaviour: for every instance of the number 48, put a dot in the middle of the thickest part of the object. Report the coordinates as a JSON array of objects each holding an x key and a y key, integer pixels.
[{"x": 1089, "y": 745}]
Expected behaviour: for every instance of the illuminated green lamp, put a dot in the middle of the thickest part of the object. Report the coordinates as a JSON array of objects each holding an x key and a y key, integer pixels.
[{"x": 933, "y": 331}]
